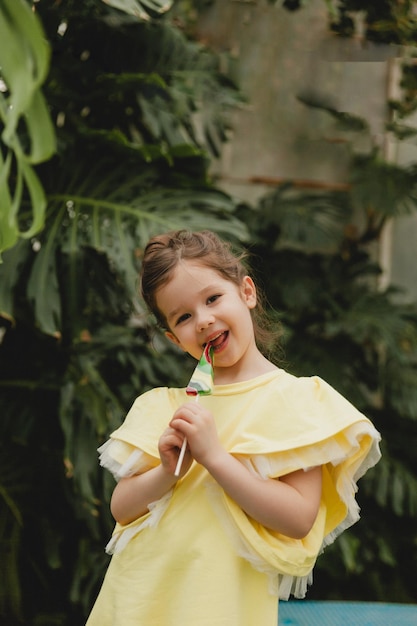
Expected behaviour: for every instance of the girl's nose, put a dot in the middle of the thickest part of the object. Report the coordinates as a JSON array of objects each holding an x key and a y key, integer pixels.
[{"x": 204, "y": 320}]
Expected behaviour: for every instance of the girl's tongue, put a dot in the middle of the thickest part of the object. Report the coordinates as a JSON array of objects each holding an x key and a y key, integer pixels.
[{"x": 216, "y": 343}]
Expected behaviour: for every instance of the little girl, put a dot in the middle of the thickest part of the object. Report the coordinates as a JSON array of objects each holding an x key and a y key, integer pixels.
[{"x": 269, "y": 474}]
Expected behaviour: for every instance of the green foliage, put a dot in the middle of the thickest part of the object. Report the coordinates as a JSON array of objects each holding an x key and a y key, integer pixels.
[
  {"x": 385, "y": 21},
  {"x": 133, "y": 146},
  {"x": 27, "y": 133},
  {"x": 109, "y": 69},
  {"x": 378, "y": 187},
  {"x": 407, "y": 105},
  {"x": 116, "y": 227},
  {"x": 312, "y": 221}
]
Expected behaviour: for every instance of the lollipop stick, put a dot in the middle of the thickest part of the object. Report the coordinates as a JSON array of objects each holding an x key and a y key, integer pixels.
[
  {"x": 182, "y": 451},
  {"x": 181, "y": 457}
]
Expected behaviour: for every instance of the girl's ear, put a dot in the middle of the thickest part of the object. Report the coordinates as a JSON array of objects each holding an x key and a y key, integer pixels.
[
  {"x": 248, "y": 291},
  {"x": 173, "y": 339}
]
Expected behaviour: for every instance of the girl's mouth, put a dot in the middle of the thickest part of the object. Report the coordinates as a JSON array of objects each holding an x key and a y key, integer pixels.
[{"x": 218, "y": 341}]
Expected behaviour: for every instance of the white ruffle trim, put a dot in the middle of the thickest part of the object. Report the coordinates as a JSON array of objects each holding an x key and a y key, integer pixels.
[
  {"x": 121, "y": 538},
  {"x": 124, "y": 460},
  {"x": 293, "y": 585},
  {"x": 329, "y": 451},
  {"x": 113, "y": 457}
]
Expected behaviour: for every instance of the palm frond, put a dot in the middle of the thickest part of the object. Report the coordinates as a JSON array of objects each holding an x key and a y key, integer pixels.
[
  {"x": 401, "y": 387},
  {"x": 393, "y": 485},
  {"x": 346, "y": 122},
  {"x": 90, "y": 567},
  {"x": 116, "y": 227},
  {"x": 88, "y": 410},
  {"x": 382, "y": 187},
  {"x": 404, "y": 132},
  {"x": 12, "y": 488},
  {"x": 373, "y": 318},
  {"x": 313, "y": 222}
]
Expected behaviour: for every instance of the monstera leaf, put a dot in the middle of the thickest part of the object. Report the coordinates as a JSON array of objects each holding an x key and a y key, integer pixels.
[
  {"x": 27, "y": 131},
  {"x": 24, "y": 65},
  {"x": 115, "y": 218}
]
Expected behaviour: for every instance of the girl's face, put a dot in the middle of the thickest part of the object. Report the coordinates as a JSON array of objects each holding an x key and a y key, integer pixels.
[{"x": 201, "y": 306}]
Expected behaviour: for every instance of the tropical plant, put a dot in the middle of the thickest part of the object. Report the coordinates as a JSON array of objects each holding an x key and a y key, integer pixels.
[
  {"x": 132, "y": 149},
  {"x": 385, "y": 21},
  {"x": 24, "y": 62}
]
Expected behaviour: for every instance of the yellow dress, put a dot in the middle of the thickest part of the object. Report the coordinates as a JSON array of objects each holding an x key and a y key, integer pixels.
[{"x": 196, "y": 559}]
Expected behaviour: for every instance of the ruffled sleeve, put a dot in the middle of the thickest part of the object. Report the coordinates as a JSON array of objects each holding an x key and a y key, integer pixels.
[
  {"x": 132, "y": 449},
  {"x": 306, "y": 424},
  {"x": 123, "y": 459}
]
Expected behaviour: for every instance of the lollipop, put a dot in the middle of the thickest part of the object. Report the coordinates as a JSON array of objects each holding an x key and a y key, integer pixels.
[{"x": 201, "y": 384}]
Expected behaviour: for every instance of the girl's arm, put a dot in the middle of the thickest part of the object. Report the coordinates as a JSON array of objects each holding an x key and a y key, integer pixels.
[
  {"x": 132, "y": 495},
  {"x": 288, "y": 505}
]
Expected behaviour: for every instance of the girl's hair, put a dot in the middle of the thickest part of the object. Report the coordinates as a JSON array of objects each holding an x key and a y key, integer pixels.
[{"x": 162, "y": 255}]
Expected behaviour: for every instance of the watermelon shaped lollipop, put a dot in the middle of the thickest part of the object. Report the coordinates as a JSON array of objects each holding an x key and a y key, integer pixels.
[{"x": 201, "y": 384}]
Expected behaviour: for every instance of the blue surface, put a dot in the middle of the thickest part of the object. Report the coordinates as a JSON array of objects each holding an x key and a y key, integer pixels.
[{"x": 310, "y": 613}]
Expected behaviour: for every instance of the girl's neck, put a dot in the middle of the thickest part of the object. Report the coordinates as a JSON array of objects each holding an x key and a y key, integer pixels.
[{"x": 256, "y": 367}]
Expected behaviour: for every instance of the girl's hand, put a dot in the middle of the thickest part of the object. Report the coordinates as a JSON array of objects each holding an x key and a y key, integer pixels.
[
  {"x": 196, "y": 423},
  {"x": 169, "y": 447}
]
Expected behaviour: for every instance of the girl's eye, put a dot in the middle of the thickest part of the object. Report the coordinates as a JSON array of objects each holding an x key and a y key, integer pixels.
[
  {"x": 182, "y": 318},
  {"x": 213, "y": 298}
]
